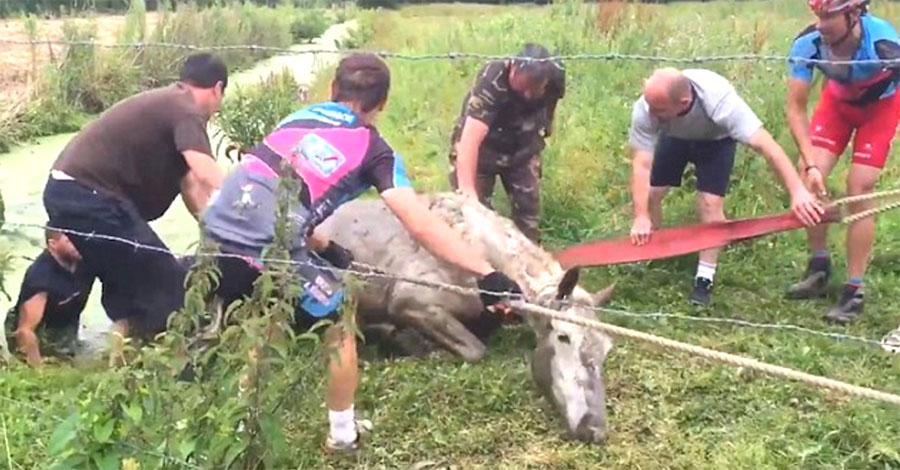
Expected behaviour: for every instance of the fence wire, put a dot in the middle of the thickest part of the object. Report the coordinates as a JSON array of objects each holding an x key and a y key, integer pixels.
[
  {"x": 458, "y": 55},
  {"x": 367, "y": 271}
]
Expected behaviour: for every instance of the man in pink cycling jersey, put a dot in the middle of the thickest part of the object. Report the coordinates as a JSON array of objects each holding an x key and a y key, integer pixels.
[
  {"x": 335, "y": 153},
  {"x": 860, "y": 97}
]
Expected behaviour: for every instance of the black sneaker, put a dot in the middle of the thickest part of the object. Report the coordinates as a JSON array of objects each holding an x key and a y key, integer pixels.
[
  {"x": 849, "y": 306},
  {"x": 702, "y": 293},
  {"x": 815, "y": 280}
]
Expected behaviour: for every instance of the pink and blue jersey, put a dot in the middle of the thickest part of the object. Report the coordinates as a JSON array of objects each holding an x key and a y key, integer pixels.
[
  {"x": 328, "y": 149},
  {"x": 857, "y": 83}
]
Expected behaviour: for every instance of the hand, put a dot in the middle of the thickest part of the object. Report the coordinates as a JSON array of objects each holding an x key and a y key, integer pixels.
[
  {"x": 806, "y": 207},
  {"x": 496, "y": 281},
  {"x": 814, "y": 181},
  {"x": 640, "y": 230},
  {"x": 337, "y": 255}
]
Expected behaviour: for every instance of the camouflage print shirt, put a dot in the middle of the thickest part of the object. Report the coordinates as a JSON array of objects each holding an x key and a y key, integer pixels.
[{"x": 516, "y": 125}]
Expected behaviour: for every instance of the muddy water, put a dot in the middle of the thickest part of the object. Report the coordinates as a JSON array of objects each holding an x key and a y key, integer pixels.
[{"x": 23, "y": 173}]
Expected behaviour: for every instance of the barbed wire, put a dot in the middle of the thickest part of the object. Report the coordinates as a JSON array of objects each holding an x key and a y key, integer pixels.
[
  {"x": 368, "y": 271},
  {"x": 456, "y": 55}
]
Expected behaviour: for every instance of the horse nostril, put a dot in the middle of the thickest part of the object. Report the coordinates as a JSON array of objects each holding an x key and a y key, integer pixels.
[{"x": 563, "y": 338}]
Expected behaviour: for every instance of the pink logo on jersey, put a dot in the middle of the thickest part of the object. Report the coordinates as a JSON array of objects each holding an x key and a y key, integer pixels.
[{"x": 321, "y": 156}]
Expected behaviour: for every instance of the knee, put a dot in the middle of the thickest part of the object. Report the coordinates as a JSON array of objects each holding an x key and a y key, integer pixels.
[
  {"x": 657, "y": 194},
  {"x": 711, "y": 208},
  {"x": 857, "y": 187}
]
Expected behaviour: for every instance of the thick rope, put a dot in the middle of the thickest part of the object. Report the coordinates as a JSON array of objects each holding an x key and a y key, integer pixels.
[{"x": 778, "y": 371}]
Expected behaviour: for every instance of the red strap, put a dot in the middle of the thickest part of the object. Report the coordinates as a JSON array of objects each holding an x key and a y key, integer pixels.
[{"x": 676, "y": 241}]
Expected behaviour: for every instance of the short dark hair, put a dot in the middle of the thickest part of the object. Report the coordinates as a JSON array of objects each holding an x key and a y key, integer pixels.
[
  {"x": 362, "y": 78},
  {"x": 204, "y": 70},
  {"x": 534, "y": 69}
]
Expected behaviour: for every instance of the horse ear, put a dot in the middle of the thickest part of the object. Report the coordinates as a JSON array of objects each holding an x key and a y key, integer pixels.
[
  {"x": 568, "y": 283},
  {"x": 601, "y": 297}
]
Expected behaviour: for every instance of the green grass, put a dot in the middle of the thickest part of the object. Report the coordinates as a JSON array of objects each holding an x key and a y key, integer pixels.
[{"x": 666, "y": 409}]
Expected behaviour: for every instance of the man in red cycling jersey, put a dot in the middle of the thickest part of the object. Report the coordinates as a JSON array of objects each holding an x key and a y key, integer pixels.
[{"x": 856, "y": 97}]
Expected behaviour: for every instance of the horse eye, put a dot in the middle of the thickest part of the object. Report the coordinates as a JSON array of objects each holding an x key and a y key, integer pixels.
[{"x": 563, "y": 338}]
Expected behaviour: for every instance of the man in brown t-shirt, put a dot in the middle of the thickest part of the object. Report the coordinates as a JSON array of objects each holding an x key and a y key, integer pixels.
[
  {"x": 123, "y": 170},
  {"x": 501, "y": 130}
]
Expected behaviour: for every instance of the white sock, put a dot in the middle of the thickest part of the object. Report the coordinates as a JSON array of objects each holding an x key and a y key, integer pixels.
[
  {"x": 706, "y": 270},
  {"x": 343, "y": 428}
]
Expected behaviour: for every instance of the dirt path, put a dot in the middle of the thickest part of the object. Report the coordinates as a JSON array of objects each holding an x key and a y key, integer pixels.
[{"x": 18, "y": 63}]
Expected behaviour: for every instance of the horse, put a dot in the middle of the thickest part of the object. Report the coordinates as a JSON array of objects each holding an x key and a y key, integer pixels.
[{"x": 567, "y": 363}]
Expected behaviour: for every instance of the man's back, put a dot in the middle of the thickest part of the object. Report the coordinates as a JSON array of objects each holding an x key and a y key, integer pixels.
[{"x": 133, "y": 150}]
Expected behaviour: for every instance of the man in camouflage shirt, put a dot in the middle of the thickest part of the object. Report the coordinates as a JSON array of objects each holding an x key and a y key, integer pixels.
[{"x": 501, "y": 130}]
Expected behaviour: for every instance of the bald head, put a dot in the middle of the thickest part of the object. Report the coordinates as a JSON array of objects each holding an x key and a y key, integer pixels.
[{"x": 667, "y": 92}]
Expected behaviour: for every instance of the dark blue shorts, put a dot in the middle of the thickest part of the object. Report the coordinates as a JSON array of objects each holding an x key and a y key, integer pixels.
[
  {"x": 237, "y": 281},
  {"x": 142, "y": 285},
  {"x": 712, "y": 159}
]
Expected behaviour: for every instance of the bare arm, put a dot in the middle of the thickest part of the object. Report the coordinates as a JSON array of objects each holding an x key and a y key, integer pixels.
[
  {"x": 798, "y": 119},
  {"x": 762, "y": 142},
  {"x": 30, "y": 315},
  {"x": 318, "y": 241},
  {"x": 641, "y": 162},
  {"x": 432, "y": 232},
  {"x": 473, "y": 134},
  {"x": 203, "y": 178},
  {"x": 803, "y": 204}
]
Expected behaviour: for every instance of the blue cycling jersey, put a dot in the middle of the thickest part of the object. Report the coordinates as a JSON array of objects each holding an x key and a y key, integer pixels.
[{"x": 854, "y": 83}]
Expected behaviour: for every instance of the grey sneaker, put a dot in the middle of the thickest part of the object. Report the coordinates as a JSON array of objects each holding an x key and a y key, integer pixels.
[
  {"x": 363, "y": 427},
  {"x": 849, "y": 306},
  {"x": 891, "y": 341},
  {"x": 815, "y": 280},
  {"x": 702, "y": 293}
]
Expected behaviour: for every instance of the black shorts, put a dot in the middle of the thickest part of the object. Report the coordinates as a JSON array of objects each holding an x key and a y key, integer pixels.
[
  {"x": 237, "y": 281},
  {"x": 142, "y": 285},
  {"x": 713, "y": 161}
]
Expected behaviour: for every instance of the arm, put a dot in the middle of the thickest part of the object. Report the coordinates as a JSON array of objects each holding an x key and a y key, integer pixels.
[
  {"x": 803, "y": 204},
  {"x": 559, "y": 92},
  {"x": 763, "y": 143},
  {"x": 641, "y": 162},
  {"x": 551, "y": 112},
  {"x": 317, "y": 241},
  {"x": 473, "y": 133},
  {"x": 798, "y": 119},
  {"x": 432, "y": 232},
  {"x": 30, "y": 315},
  {"x": 203, "y": 178}
]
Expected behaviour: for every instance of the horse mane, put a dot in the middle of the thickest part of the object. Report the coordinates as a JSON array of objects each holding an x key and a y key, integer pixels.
[{"x": 505, "y": 247}]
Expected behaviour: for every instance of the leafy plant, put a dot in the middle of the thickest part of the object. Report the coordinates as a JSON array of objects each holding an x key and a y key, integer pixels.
[
  {"x": 308, "y": 25},
  {"x": 248, "y": 115}
]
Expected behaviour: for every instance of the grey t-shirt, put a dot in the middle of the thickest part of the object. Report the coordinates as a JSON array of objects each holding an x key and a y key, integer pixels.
[{"x": 717, "y": 112}]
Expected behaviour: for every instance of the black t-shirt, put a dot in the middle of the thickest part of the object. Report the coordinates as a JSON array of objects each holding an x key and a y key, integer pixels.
[{"x": 67, "y": 292}]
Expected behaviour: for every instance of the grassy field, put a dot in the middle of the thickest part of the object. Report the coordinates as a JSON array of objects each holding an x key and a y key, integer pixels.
[{"x": 666, "y": 410}]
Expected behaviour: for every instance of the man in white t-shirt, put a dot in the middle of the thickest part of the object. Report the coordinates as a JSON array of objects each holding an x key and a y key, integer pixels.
[{"x": 697, "y": 116}]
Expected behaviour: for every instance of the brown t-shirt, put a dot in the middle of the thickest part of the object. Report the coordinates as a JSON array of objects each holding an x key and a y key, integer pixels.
[{"x": 133, "y": 150}]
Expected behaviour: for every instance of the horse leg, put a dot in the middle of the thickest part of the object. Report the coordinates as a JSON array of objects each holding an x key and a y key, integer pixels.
[{"x": 435, "y": 322}]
